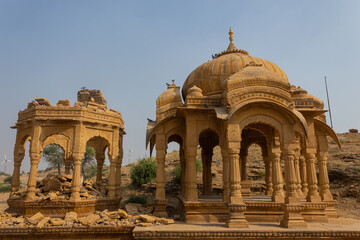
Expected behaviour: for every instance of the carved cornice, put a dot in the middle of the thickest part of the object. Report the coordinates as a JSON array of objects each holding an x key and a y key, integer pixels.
[
  {"x": 243, "y": 234},
  {"x": 202, "y": 101},
  {"x": 168, "y": 113},
  {"x": 69, "y": 114},
  {"x": 237, "y": 97},
  {"x": 56, "y": 230}
]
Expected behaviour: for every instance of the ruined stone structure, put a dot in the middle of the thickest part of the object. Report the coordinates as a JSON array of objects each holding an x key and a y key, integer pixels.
[
  {"x": 233, "y": 101},
  {"x": 87, "y": 123}
]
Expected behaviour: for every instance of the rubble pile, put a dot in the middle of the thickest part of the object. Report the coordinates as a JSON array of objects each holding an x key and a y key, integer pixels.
[
  {"x": 58, "y": 187},
  {"x": 104, "y": 218}
]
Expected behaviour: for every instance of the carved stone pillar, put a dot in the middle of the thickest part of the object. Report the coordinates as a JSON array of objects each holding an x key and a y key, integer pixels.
[
  {"x": 190, "y": 175},
  {"x": 100, "y": 162},
  {"x": 325, "y": 193},
  {"x": 278, "y": 191},
  {"x": 182, "y": 171},
  {"x": 226, "y": 177},
  {"x": 297, "y": 176},
  {"x": 304, "y": 185},
  {"x": 268, "y": 175},
  {"x": 15, "y": 183},
  {"x": 206, "y": 155},
  {"x": 290, "y": 178},
  {"x": 118, "y": 178},
  {"x": 292, "y": 207},
  {"x": 76, "y": 181},
  {"x": 313, "y": 194},
  {"x": 112, "y": 178},
  {"x": 160, "y": 195},
  {"x": 236, "y": 205},
  {"x": 34, "y": 161}
]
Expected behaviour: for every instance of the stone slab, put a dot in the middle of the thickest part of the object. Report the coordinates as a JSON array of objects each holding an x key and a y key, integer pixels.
[{"x": 341, "y": 228}]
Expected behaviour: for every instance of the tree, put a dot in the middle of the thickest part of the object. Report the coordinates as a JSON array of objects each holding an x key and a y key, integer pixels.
[
  {"x": 143, "y": 172},
  {"x": 54, "y": 155},
  {"x": 89, "y": 159}
]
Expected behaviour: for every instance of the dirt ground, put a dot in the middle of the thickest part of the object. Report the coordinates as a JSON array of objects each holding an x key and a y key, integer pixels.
[{"x": 343, "y": 168}]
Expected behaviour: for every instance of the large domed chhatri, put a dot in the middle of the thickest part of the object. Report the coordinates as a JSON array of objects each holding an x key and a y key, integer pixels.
[
  {"x": 233, "y": 101},
  {"x": 210, "y": 75}
]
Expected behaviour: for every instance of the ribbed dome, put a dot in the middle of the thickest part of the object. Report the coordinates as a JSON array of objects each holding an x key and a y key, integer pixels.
[{"x": 210, "y": 75}]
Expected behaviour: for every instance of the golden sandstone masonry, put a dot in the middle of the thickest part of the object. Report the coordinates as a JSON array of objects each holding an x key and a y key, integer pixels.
[
  {"x": 87, "y": 123},
  {"x": 233, "y": 101}
]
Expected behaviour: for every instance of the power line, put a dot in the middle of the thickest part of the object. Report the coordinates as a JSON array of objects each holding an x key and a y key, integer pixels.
[{"x": 328, "y": 100}]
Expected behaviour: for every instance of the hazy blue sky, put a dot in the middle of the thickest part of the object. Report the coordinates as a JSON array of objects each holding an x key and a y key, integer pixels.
[{"x": 129, "y": 49}]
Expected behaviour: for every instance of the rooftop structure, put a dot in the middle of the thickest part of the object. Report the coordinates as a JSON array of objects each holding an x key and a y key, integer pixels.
[
  {"x": 87, "y": 123},
  {"x": 233, "y": 101}
]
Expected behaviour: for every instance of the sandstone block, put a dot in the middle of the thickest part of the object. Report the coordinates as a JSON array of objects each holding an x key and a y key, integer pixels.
[
  {"x": 57, "y": 221},
  {"x": 37, "y": 217},
  {"x": 165, "y": 221},
  {"x": 89, "y": 220},
  {"x": 147, "y": 218},
  {"x": 42, "y": 222},
  {"x": 131, "y": 209},
  {"x": 142, "y": 224},
  {"x": 53, "y": 184},
  {"x": 70, "y": 216},
  {"x": 122, "y": 213},
  {"x": 52, "y": 196},
  {"x": 18, "y": 220}
]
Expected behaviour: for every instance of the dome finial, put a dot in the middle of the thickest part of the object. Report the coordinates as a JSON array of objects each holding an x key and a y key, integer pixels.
[
  {"x": 231, "y": 38},
  {"x": 231, "y": 33}
]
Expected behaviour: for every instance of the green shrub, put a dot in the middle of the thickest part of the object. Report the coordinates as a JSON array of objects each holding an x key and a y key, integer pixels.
[
  {"x": 177, "y": 173},
  {"x": 143, "y": 172},
  {"x": 198, "y": 166},
  {"x": 4, "y": 173},
  {"x": 90, "y": 171},
  {"x": 142, "y": 199},
  {"x": 343, "y": 140},
  {"x": 5, "y": 188},
  {"x": 261, "y": 173},
  {"x": 8, "y": 180}
]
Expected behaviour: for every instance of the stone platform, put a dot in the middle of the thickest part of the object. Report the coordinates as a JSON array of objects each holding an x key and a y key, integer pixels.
[
  {"x": 259, "y": 208},
  {"x": 340, "y": 228},
  {"x": 68, "y": 232},
  {"x": 58, "y": 208}
]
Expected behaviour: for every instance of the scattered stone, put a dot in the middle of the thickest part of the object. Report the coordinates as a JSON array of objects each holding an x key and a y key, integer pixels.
[
  {"x": 131, "y": 209},
  {"x": 42, "y": 222},
  {"x": 53, "y": 184},
  {"x": 142, "y": 224},
  {"x": 122, "y": 213},
  {"x": 19, "y": 220},
  {"x": 89, "y": 220},
  {"x": 147, "y": 218},
  {"x": 52, "y": 196},
  {"x": 37, "y": 217},
  {"x": 70, "y": 216},
  {"x": 57, "y": 221},
  {"x": 165, "y": 221}
]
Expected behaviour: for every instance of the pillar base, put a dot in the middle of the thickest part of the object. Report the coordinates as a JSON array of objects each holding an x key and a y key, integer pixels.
[
  {"x": 236, "y": 216},
  {"x": 326, "y": 196},
  {"x": 315, "y": 197},
  {"x": 292, "y": 216},
  {"x": 160, "y": 208},
  {"x": 330, "y": 210},
  {"x": 30, "y": 196},
  {"x": 278, "y": 197},
  {"x": 75, "y": 197}
]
